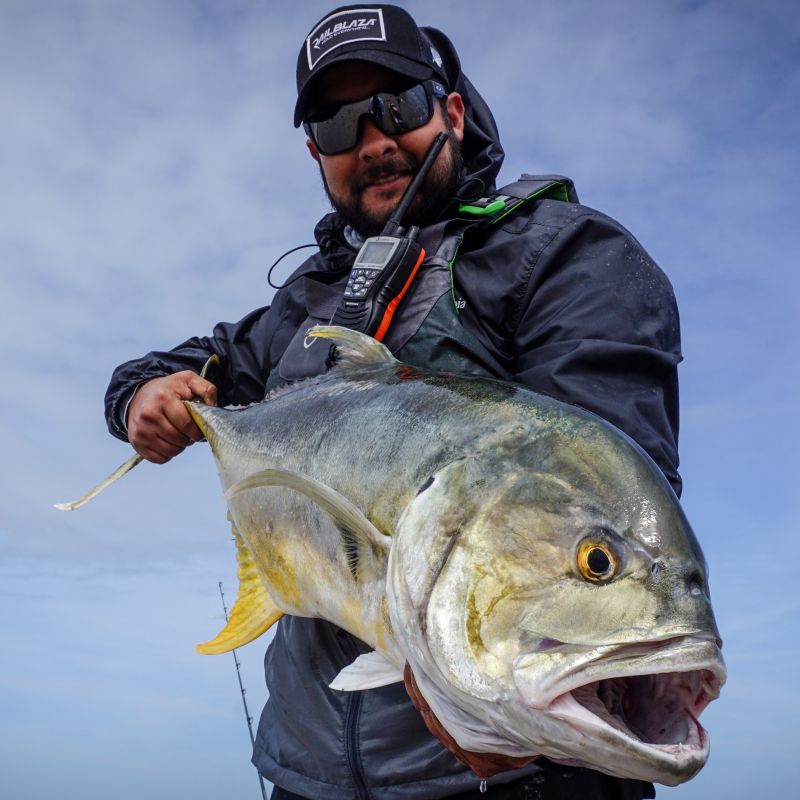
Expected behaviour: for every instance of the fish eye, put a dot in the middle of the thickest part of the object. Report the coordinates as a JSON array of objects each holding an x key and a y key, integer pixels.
[{"x": 597, "y": 561}]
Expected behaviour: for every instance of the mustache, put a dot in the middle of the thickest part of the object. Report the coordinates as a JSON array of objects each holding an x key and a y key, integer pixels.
[{"x": 399, "y": 164}]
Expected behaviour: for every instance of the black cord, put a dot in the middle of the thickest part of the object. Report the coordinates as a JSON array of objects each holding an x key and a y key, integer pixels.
[{"x": 287, "y": 253}]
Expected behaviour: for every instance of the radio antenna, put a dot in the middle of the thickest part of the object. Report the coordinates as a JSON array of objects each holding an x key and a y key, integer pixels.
[
  {"x": 243, "y": 692},
  {"x": 393, "y": 227}
]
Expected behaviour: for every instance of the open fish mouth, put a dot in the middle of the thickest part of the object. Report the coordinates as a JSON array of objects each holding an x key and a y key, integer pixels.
[
  {"x": 658, "y": 710},
  {"x": 644, "y": 700}
]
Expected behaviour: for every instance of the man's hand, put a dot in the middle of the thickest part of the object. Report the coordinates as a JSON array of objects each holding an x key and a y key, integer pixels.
[
  {"x": 484, "y": 765},
  {"x": 159, "y": 426}
]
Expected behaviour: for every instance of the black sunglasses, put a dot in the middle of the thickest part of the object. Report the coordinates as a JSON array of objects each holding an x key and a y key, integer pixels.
[{"x": 338, "y": 130}]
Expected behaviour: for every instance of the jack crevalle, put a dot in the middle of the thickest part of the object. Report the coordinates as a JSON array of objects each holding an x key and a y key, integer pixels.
[{"x": 527, "y": 560}]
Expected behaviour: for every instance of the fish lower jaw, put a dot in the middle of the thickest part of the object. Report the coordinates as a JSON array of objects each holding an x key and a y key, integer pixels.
[{"x": 568, "y": 707}]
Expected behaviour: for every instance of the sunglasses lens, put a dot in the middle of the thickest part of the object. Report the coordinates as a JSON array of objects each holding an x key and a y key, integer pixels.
[
  {"x": 406, "y": 111},
  {"x": 392, "y": 113},
  {"x": 340, "y": 132}
]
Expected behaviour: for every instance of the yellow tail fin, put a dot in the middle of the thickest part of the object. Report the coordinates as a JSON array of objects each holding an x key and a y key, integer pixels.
[{"x": 253, "y": 612}]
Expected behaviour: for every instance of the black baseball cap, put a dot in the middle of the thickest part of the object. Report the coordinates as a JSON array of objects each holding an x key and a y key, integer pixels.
[{"x": 379, "y": 34}]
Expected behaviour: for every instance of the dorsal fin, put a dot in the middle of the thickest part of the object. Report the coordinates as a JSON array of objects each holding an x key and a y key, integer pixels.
[
  {"x": 353, "y": 349},
  {"x": 254, "y": 610}
]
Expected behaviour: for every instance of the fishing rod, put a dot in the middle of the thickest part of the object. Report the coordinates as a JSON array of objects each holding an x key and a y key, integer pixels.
[{"x": 243, "y": 692}]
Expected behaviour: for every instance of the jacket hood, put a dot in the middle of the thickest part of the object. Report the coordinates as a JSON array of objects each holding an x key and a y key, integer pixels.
[{"x": 481, "y": 148}]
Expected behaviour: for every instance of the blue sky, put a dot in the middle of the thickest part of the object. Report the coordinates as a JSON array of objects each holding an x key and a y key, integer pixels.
[{"x": 150, "y": 173}]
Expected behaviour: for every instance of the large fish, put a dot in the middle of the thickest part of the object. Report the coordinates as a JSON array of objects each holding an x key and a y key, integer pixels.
[{"x": 526, "y": 559}]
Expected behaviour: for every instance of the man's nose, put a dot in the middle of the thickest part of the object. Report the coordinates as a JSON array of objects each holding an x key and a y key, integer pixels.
[{"x": 374, "y": 143}]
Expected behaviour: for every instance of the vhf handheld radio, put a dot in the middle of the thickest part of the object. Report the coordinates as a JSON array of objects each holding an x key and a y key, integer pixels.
[{"x": 385, "y": 265}]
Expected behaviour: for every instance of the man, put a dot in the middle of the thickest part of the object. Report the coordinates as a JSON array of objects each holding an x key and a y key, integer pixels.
[{"x": 529, "y": 286}]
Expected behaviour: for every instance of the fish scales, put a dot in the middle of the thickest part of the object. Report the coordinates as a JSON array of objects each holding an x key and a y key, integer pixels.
[{"x": 526, "y": 559}]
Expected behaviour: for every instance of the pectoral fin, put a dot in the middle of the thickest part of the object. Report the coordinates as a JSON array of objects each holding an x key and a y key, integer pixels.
[
  {"x": 366, "y": 548},
  {"x": 368, "y": 671},
  {"x": 253, "y": 612}
]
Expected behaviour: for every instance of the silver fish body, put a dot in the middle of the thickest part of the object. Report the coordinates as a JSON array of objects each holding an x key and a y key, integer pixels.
[{"x": 527, "y": 559}]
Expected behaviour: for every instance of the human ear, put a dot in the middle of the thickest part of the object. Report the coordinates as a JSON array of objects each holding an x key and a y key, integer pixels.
[
  {"x": 454, "y": 107},
  {"x": 312, "y": 149}
]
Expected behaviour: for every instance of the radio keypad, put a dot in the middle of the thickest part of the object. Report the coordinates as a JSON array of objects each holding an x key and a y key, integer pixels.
[{"x": 359, "y": 282}]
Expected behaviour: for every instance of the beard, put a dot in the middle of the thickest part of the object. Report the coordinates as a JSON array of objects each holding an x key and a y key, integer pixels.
[{"x": 436, "y": 190}]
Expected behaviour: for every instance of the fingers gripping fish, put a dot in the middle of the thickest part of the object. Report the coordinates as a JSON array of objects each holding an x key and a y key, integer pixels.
[{"x": 123, "y": 469}]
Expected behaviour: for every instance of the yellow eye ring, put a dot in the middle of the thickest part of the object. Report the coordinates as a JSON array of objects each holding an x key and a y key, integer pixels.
[{"x": 597, "y": 561}]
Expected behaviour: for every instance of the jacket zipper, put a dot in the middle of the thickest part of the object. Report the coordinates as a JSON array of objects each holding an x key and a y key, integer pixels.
[{"x": 351, "y": 744}]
